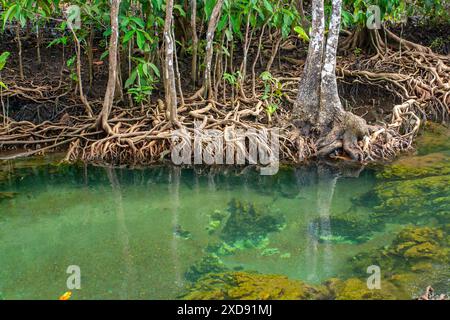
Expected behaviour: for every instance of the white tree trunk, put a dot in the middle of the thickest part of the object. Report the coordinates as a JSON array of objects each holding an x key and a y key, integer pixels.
[
  {"x": 212, "y": 25},
  {"x": 330, "y": 104},
  {"x": 308, "y": 98},
  {"x": 169, "y": 71}
]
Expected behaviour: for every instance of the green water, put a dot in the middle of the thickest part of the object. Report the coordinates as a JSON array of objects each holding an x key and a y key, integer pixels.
[{"x": 136, "y": 234}]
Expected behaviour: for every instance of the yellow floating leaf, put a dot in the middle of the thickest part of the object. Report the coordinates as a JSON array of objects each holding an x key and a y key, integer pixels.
[{"x": 66, "y": 295}]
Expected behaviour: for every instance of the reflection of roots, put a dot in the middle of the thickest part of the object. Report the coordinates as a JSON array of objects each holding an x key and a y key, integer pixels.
[{"x": 413, "y": 73}]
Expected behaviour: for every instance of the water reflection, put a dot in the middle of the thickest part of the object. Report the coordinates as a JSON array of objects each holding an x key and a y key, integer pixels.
[{"x": 138, "y": 233}]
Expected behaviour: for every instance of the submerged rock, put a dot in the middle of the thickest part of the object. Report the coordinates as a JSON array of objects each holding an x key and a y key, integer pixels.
[
  {"x": 435, "y": 137},
  {"x": 252, "y": 286},
  {"x": 418, "y": 251},
  {"x": 356, "y": 289},
  {"x": 414, "y": 200},
  {"x": 210, "y": 263},
  {"x": 433, "y": 164}
]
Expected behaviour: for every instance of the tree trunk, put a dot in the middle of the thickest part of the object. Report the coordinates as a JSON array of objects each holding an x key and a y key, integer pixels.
[
  {"x": 80, "y": 81},
  {"x": 330, "y": 104},
  {"x": 112, "y": 68},
  {"x": 90, "y": 55},
  {"x": 38, "y": 44},
  {"x": 318, "y": 106},
  {"x": 307, "y": 102},
  {"x": 301, "y": 12},
  {"x": 19, "y": 44},
  {"x": 194, "y": 40},
  {"x": 169, "y": 72},
  {"x": 212, "y": 25}
]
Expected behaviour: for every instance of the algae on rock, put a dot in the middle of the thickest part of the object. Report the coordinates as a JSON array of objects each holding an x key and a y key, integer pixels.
[{"x": 252, "y": 286}]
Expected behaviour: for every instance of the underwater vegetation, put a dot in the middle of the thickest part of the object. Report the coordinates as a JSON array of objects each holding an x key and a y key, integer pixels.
[
  {"x": 435, "y": 137},
  {"x": 415, "y": 249},
  {"x": 433, "y": 164},
  {"x": 244, "y": 226},
  {"x": 240, "y": 285},
  {"x": 248, "y": 223},
  {"x": 410, "y": 263},
  {"x": 413, "y": 189},
  {"x": 346, "y": 227},
  {"x": 210, "y": 263},
  {"x": 416, "y": 258}
]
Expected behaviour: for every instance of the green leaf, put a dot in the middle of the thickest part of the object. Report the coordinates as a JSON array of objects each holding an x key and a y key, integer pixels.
[
  {"x": 301, "y": 33},
  {"x": 131, "y": 79},
  {"x": 266, "y": 76},
  {"x": 128, "y": 36},
  {"x": 138, "y": 21},
  {"x": 3, "y": 57},
  {"x": 209, "y": 6},
  {"x": 222, "y": 23},
  {"x": 180, "y": 10},
  {"x": 3, "y": 85},
  {"x": 229, "y": 35},
  {"x": 268, "y": 6},
  {"x": 9, "y": 14},
  {"x": 70, "y": 61},
  {"x": 140, "y": 39},
  {"x": 104, "y": 55},
  {"x": 155, "y": 69}
]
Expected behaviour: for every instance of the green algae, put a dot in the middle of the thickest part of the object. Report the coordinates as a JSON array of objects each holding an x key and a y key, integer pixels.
[
  {"x": 249, "y": 223},
  {"x": 357, "y": 289},
  {"x": 414, "y": 250},
  {"x": 413, "y": 200},
  {"x": 347, "y": 227},
  {"x": 435, "y": 137},
  {"x": 210, "y": 263},
  {"x": 434, "y": 164},
  {"x": 241, "y": 285},
  {"x": 252, "y": 286}
]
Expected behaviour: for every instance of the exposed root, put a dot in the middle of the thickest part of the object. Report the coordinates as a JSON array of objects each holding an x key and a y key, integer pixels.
[{"x": 419, "y": 78}]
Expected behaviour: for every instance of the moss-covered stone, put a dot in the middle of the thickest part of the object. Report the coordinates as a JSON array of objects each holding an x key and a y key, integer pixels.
[
  {"x": 433, "y": 164},
  {"x": 414, "y": 250},
  {"x": 252, "y": 286},
  {"x": 356, "y": 289},
  {"x": 435, "y": 137},
  {"x": 413, "y": 200}
]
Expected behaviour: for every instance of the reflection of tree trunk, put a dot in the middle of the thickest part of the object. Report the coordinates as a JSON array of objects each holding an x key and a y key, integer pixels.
[
  {"x": 122, "y": 235},
  {"x": 174, "y": 190},
  {"x": 325, "y": 190}
]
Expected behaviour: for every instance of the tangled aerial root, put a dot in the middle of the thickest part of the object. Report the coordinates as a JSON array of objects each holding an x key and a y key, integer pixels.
[{"x": 417, "y": 76}]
